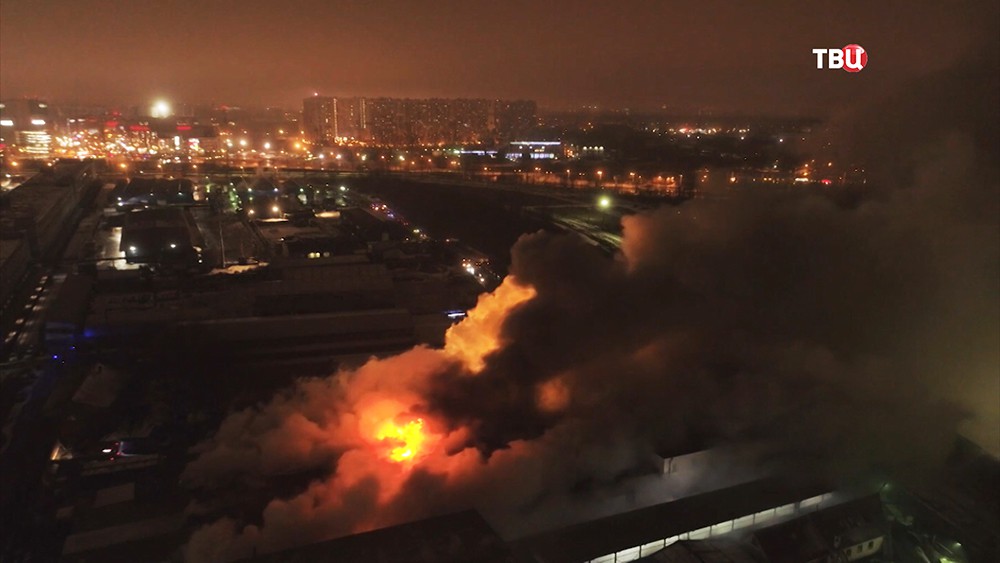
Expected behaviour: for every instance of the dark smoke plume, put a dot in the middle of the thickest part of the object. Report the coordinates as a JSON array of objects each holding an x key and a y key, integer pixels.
[{"x": 840, "y": 337}]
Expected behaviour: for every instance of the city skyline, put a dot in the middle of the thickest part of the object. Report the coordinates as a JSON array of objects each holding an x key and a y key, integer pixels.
[{"x": 522, "y": 282}]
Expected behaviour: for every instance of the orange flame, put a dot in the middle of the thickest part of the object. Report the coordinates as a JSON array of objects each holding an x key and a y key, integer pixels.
[
  {"x": 406, "y": 439},
  {"x": 479, "y": 334}
]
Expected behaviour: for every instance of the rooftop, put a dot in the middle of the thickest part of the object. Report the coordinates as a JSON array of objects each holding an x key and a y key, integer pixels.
[
  {"x": 595, "y": 538},
  {"x": 461, "y": 536}
]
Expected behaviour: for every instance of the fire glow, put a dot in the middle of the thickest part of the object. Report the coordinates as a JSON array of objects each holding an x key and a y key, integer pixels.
[
  {"x": 376, "y": 425},
  {"x": 479, "y": 334},
  {"x": 407, "y": 439}
]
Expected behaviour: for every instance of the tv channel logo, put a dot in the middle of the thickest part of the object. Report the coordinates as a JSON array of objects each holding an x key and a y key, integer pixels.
[{"x": 851, "y": 58}]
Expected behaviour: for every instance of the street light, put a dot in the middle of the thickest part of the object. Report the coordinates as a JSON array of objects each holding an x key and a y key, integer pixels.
[
  {"x": 604, "y": 202},
  {"x": 160, "y": 109}
]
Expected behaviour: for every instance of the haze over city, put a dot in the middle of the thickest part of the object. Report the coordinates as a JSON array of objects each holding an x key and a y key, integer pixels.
[
  {"x": 644, "y": 55},
  {"x": 502, "y": 282}
]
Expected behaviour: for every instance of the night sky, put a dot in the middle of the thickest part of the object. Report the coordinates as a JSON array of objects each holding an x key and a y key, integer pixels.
[{"x": 721, "y": 56}]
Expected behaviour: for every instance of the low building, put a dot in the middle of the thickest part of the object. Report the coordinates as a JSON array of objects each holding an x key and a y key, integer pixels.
[
  {"x": 639, "y": 533},
  {"x": 374, "y": 226},
  {"x": 850, "y": 531},
  {"x": 163, "y": 236},
  {"x": 459, "y": 537},
  {"x": 534, "y": 150},
  {"x": 308, "y": 339},
  {"x": 34, "y": 215},
  {"x": 142, "y": 192},
  {"x": 36, "y": 211},
  {"x": 14, "y": 257},
  {"x": 702, "y": 551}
]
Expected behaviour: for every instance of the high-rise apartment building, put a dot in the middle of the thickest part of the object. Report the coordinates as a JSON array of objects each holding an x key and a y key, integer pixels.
[
  {"x": 447, "y": 121},
  {"x": 400, "y": 121},
  {"x": 319, "y": 118},
  {"x": 352, "y": 118}
]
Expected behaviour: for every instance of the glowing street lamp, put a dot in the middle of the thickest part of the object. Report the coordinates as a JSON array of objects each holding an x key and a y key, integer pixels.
[
  {"x": 160, "y": 109},
  {"x": 604, "y": 202}
]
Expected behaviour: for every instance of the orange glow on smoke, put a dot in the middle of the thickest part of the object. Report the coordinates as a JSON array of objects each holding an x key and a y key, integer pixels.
[
  {"x": 376, "y": 427},
  {"x": 406, "y": 440},
  {"x": 479, "y": 335},
  {"x": 553, "y": 395}
]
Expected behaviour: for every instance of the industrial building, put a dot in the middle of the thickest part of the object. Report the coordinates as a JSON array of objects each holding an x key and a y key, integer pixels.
[
  {"x": 36, "y": 213},
  {"x": 461, "y": 536},
  {"x": 163, "y": 236}
]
